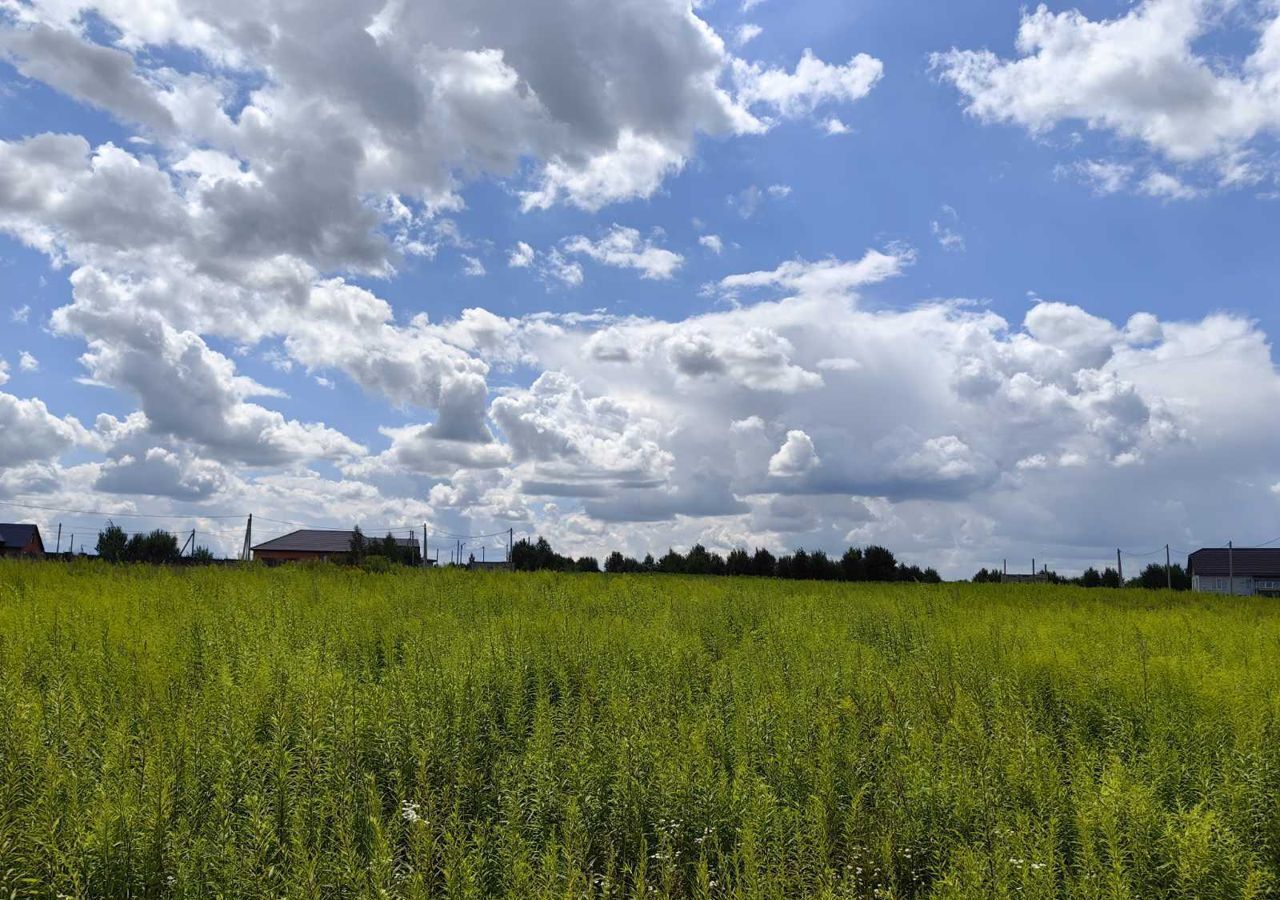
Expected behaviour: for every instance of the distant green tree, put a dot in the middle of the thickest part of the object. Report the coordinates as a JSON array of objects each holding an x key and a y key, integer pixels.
[
  {"x": 615, "y": 562},
  {"x": 672, "y": 563},
  {"x": 800, "y": 569},
  {"x": 587, "y": 564},
  {"x": 909, "y": 573},
  {"x": 536, "y": 556},
  {"x": 358, "y": 546},
  {"x": 822, "y": 568},
  {"x": 390, "y": 549},
  {"x": 524, "y": 556},
  {"x": 1155, "y": 577},
  {"x": 157, "y": 548},
  {"x": 738, "y": 563},
  {"x": 1111, "y": 578},
  {"x": 852, "y": 567},
  {"x": 987, "y": 576},
  {"x": 112, "y": 542},
  {"x": 718, "y": 565},
  {"x": 697, "y": 561},
  {"x": 880, "y": 564},
  {"x": 1091, "y": 578},
  {"x": 202, "y": 556},
  {"x": 763, "y": 564}
]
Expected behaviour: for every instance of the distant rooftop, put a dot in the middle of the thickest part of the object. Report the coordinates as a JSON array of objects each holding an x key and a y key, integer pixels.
[
  {"x": 325, "y": 541},
  {"x": 1244, "y": 561},
  {"x": 16, "y": 535}
]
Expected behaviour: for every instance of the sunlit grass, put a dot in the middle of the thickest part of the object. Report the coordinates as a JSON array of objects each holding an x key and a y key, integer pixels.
[{"x": 327, "y": 733}]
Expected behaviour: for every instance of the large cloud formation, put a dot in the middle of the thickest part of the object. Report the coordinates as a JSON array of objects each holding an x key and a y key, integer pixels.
[
  {"x": 289, "y": 156},
  {"x": 942, "y": 425},
  {"x": 1145, "y": 76}
]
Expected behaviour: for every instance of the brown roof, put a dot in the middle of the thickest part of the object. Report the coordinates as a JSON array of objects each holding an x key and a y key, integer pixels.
[
  {"x": 12, "y": 535},
  {"x": 310, "y": 540},
  {"x": 1246, "y": 561}
]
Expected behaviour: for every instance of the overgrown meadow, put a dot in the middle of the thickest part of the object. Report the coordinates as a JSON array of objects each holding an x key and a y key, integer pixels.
[{"x": 319, "y": 732}]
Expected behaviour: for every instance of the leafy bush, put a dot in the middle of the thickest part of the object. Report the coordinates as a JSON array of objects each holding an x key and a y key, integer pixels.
[{"x": 377, "y": 564}]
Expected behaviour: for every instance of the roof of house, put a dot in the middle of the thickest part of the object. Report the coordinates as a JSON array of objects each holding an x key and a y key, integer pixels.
[
  {"x": 1245, "y": 561},
  {"x": 14, "y": 535},
  {"x": 323, "y": 541}
]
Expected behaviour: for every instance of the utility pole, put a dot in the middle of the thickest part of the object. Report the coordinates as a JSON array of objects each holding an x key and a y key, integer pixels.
[
  {"x": 247, "y": 552},
  {"x": 72, "y": 550},
  {"x": 424, "y": 545},
  {"x": 1231, "y": 566},
  {"x": 193, "y": 543},
  {"x": 1033, "y": 568},
  {"x": 511, "y": 536},
  {"x": 59, "y": 550},
  {"x": 1120, "y": 566},
  {"x": 1168, "y": 568}
]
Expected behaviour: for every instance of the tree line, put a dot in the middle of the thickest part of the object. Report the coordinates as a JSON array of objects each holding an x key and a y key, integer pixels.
[
  {"x": 1155, "y": 577},
  {"x": 375, "y": 553},
  {"x": 856, "y": 564},
  {"x": 157, "y": 547}
]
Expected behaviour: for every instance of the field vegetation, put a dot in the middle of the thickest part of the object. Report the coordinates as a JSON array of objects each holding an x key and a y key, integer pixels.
[{"x": 325, "y": 732}]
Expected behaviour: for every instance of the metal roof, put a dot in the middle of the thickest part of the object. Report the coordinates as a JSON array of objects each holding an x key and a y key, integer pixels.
[
  {"x": 1245, "y": 561},
  {"x": 12, "y": 535},
  {"x": 317, "y": 541}
]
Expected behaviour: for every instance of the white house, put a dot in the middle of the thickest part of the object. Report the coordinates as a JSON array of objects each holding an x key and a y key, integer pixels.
[{"x": 1241, "y": 572}]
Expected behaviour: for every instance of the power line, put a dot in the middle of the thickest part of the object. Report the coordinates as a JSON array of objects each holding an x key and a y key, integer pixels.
[
  {"x": 472, "y": 537},
  {"x": 404, "y": 526},
  {"x": 1143, "y": 555},
  {"x": 119, "y": 515}
]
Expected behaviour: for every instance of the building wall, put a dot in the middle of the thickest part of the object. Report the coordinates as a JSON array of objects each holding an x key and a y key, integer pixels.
[
  {"x": 1221, "y": 584},
  {"x": 35, "y": 548},
  {"x": 296, "y": 556}
]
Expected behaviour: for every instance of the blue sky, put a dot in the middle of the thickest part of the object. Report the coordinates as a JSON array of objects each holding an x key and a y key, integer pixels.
[{"x": 1016, "y": 277}]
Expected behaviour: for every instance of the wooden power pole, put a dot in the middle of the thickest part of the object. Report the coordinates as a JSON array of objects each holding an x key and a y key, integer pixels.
[{"x": 1231, "y": 566}]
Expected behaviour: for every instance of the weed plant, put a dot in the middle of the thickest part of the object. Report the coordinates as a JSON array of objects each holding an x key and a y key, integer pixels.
[{"x": 320, "y": 732}]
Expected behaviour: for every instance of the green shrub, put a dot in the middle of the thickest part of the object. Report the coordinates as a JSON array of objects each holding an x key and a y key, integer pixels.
[{"x": 377, "y": 564}]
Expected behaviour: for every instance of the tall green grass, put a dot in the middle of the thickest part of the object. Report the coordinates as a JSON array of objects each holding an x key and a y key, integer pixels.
[{"x": 327, "y": 733}]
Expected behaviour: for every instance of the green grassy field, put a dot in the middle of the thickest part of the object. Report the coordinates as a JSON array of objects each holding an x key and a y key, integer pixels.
[{"x": 327, "y": 733}]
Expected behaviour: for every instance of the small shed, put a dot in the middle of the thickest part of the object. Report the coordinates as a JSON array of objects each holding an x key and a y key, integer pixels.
[{"x": 20, "y": 540}]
